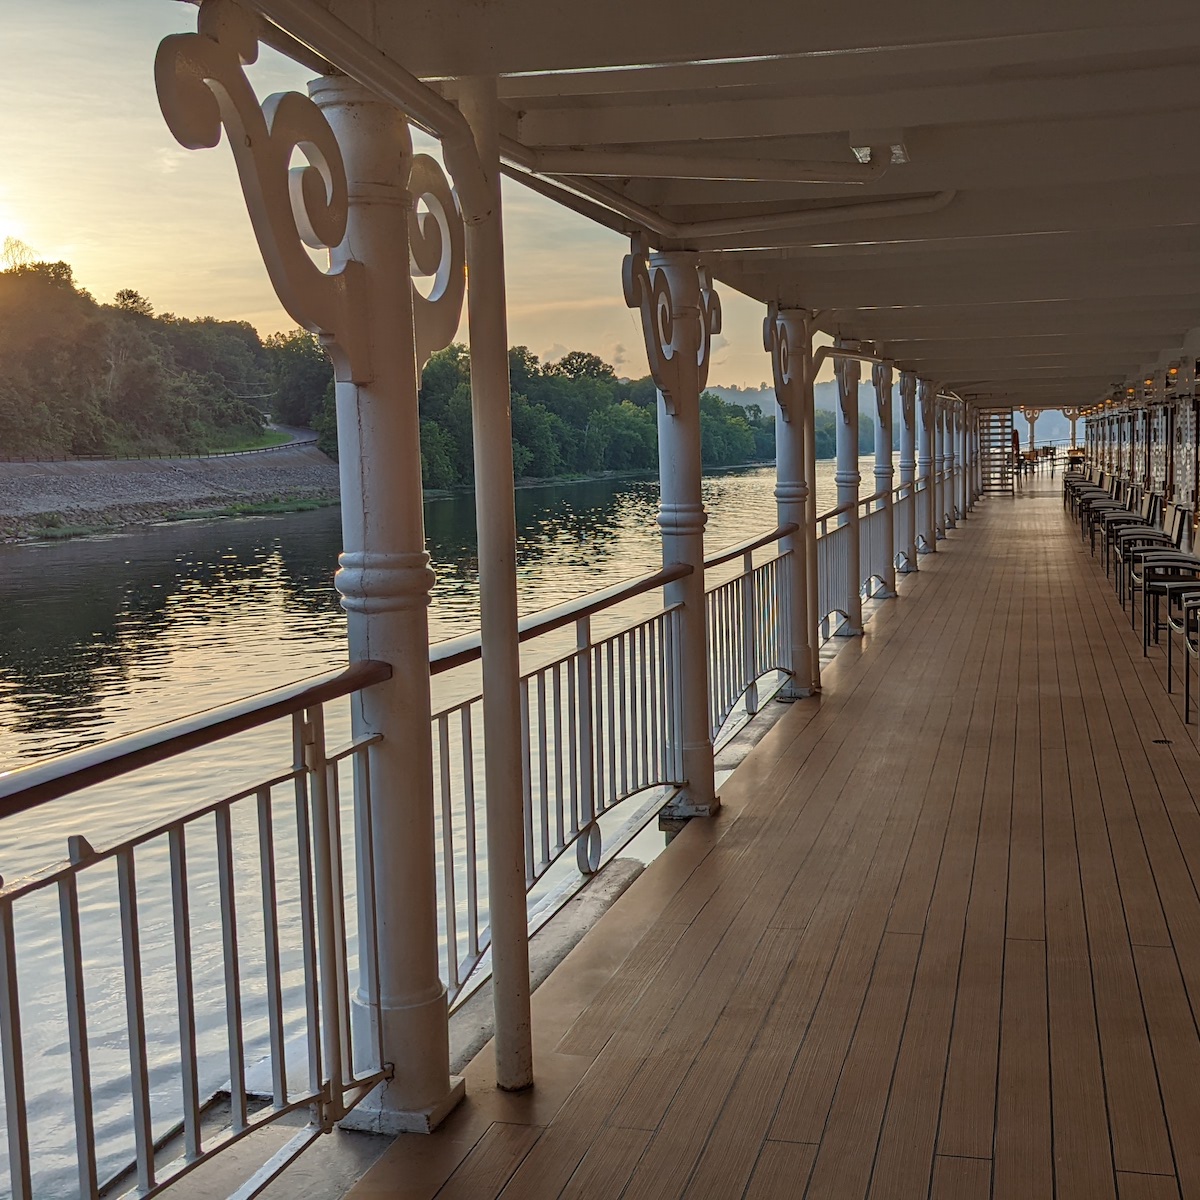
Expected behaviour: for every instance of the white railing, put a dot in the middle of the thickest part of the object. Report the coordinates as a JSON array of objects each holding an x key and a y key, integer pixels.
[
  {"x": 185, "y": 954},
  {"x": 873, "y": 526},
  {"x": 598, "y": 726},
  {"x": 904, "y": 513},
  {"x": 833, "y": 566},
  {"x": 241, "y": 923},
  {"x": 747, "y": 624}
]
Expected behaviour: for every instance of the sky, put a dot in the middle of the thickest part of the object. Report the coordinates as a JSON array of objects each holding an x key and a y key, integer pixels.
[{"x": 91, "y": 174}]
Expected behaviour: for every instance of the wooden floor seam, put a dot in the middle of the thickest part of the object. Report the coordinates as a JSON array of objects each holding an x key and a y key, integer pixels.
[{"x": 944, "y": 944}]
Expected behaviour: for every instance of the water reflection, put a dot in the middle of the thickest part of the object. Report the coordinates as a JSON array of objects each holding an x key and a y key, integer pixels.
[{"x": 100, "y": 636}]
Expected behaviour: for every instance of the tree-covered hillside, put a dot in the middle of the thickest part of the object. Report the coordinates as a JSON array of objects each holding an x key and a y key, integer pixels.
[
  {"x": 78, "y": 377},
  {"x": 82, "y": 378}
]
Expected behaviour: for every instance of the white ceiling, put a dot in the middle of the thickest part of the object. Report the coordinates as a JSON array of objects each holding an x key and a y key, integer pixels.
[{"x": 1055, "y": 145}]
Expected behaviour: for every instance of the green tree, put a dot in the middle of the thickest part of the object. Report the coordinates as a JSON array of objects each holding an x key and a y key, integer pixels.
[{"x": 301, "y": 372}]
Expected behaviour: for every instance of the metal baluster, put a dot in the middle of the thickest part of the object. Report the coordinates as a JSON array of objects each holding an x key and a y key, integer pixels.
[
  {"x": 587, "y": 747},
  {"x": 468, "y": 748},
  {"x": 266, "y": 861},
  {"x": 308, "y": 938},
  {"x": 636, "y": 711},
  {"x": 184, "y": 991},
  {"x": 606, "y": 797},
  {"x": 655, "y": 681},
  {"x": 340, "y": 956},
  {"x": 81, "y": 1071},
  {"x": 616, "y": 651},
  {"x": 559, "y": 795},
  {"x": 12, "y": 1058},
  {"x": 135, "y": 1018},
  {"x": 526, "y": 784},
  {"x": 449, "y": 907},
  {"x": 368, "y": 936},
  {"x": 750, "y": 633},
  {"x": 326, "y": 946},
  {"x": 574, "y": 690},
  {"x": 229, "y": 947},
  {"x": 543, "y": 770}
]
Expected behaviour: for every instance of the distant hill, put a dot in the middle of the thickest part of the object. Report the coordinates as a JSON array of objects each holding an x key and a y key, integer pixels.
[{"x": 1051, "y": 426}]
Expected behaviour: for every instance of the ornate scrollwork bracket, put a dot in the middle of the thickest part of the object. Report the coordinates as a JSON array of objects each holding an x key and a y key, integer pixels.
[
  {"x": 787, "y": 338},
  {"x": 908, "y": 397},
  {"x": 881, "y": 377},
  {"x": 681, "y": 314},
  {"x": 202, "y": 88},
  {"x": 848, "y": 373},
  {"x": 926, "y": 391}
]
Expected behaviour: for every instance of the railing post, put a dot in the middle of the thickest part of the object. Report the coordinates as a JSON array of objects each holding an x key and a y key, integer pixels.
[
  {"x": 680, "y": 314},
  {"x": 587, "y": 750},
  {"x": 848, "y": 371},
  {"x": 750, "y": 632},
  {"x": 385, "y": 581},
  {"x": 787, "y": 337},
  {"x": 927, "y": 521},
  {"x": 939, "y": 466},
  {"x": 496, "y": 524},
  {"x": 881, "y": 377},
  {"x": 908, "y": 465}
]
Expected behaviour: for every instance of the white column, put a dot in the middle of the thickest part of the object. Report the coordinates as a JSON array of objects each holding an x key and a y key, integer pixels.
[
  {"x": 960, "y": 461},
  {"x": 809, "y": 416},
  {"x": 385, "y": 582},
  {"x": 680, "y": 313},
  {"x": 1074, "y": 415},
  {"x": 950, "y": 452},
  {"x": 908, "y": 465},
  {"x": 491, "y": 419},
  {"x": 926, "y": 509},
  {"x": 881, "y": 377},
  {"x": 1032, "y": 416},
  {"x": 787, "y": 337},
  {"x": 848, "y": 372},
  {"x": 939, "y": 467}
]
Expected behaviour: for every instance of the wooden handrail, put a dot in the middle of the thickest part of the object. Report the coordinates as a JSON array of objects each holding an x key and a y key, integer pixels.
[
  {"x": 28, "y": 787},
  {"x": 457, "y": 652},
  {"x": 754, "y": 543}
]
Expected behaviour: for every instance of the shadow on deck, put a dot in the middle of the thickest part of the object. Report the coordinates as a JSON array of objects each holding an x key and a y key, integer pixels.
[{"x": 943, "y": 940}]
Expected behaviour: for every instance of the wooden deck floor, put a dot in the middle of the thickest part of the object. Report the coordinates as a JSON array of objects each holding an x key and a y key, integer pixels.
[{"x": 944, "y": 941}]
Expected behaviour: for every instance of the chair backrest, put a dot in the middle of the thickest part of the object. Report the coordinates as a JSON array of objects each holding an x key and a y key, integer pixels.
[
  {"x": 1176, "y": 523},
  {"x": 1146, "y": 510}
]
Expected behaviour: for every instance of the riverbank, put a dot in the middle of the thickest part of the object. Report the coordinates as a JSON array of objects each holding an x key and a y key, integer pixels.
[{"x": 63, "y": 499}]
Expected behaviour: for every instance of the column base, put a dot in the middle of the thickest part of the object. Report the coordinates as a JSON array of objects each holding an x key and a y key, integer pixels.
[
  {"x": 684, "y": 808},
  {"x": 794, "y": 691},
  {"x": 373, "y": 1115}
]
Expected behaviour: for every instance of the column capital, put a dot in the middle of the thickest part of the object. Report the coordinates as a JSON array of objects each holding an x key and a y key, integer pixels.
[
  {"x": 681, "y": 314},
  {"x": 787, "y": 337},
  {"x": 848, "y": 373}
]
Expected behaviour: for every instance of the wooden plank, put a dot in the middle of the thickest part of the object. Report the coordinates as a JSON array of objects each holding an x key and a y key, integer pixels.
[
  {"x": 1023, "y": 1164},
  {"x": 1172, "y": 1027},
  {"x": 961, "y": 1178},
  {"x": 782, "y": 1171},
  {"x": 607, "y": 1165},
  {"x": 1146, "y": 1187},
  {"x": 843, "y": 1166},
  {"x": 491, "y": 1164}
]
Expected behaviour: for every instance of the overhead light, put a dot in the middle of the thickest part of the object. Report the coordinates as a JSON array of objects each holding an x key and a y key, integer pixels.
[{"x": 861, "y": 142}]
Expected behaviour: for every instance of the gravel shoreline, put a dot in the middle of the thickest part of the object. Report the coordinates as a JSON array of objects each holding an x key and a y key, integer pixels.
[{"x": 50, "y": 499}]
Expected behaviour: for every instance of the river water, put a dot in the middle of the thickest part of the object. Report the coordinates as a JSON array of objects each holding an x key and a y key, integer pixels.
[{"x": 105, "y": 635}]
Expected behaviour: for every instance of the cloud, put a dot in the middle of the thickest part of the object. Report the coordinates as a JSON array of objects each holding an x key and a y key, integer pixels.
[{"x": 554, "y": 353}]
